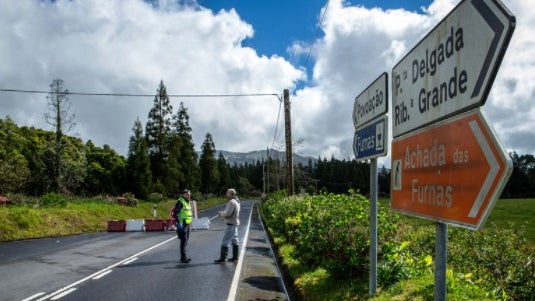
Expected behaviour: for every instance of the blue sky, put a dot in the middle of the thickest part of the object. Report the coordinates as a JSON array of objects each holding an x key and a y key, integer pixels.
[
  {"x": 204, "y": 47},
  {"x": 279, "y": 23}
]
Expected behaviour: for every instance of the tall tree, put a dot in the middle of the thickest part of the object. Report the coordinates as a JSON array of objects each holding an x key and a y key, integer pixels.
[
  {"x": 62, "y": 120},
  {"x": 13, "y": 163},
  {"x": 138, "y": 163},
  {"x": 174, "y": 174},
  {"x": 157, "y": 133},
  {"x": 224, "y": 174},
  {"x": 208, "y": 166},
  {"x": 188, "y": 156},
  {"x": 105, "y": 170}
]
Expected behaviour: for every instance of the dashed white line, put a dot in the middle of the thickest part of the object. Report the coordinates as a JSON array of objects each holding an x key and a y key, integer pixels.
[
  {"x": 34, "y": 296},
  {"x": 102, "y": 275},
  {"x": 68, "y": 287},
  {"x": 129, "y": 261},
  {"x": 63, "y": 294}
]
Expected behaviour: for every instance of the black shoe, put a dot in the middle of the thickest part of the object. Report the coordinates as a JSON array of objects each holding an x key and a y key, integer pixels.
[
  {"x": 185, "y": 260},
  {"x": 233, "y": 259},
  {"x": 219, "y": 261}
]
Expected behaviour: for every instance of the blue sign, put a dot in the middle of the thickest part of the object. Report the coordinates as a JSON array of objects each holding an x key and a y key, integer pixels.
[{"x": 371, "y": 140}]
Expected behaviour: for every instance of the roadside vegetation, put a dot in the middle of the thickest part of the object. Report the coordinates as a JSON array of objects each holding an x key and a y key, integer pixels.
[
  {"x": 323, "y": 244},
  {"x": 56, "y": 215}
]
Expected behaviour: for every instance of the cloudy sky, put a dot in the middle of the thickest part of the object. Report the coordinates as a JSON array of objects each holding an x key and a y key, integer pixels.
[{"x": 324, "y": 52}]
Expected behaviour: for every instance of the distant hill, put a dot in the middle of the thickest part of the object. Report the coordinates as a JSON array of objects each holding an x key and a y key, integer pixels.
[{"x": 253, "y": 156}]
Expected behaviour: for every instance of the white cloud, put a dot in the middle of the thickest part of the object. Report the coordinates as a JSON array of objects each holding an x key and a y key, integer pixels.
[
  {"x": 129, "y": 46},
  {"x": 361, "y": 43}
]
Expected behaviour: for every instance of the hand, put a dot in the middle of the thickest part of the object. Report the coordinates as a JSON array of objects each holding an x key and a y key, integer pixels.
[{"x": 179, "y": 227}]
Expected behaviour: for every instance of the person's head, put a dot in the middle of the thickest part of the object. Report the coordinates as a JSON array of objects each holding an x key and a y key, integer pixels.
[
  {"x": 186, "y": 193},
  {"x": 231, "y": 193}
]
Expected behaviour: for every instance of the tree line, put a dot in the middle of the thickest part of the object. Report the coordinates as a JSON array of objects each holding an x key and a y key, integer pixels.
[{"x": 162, "y": 160}]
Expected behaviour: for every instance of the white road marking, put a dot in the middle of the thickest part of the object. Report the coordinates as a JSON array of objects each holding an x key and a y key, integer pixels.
[
  {"x": 59, "y": 291},
  {"x": 65, "y": 293},
  {"x": 129, "y": 261},
  {"x": 102, "y": 275},
  {"x": 34, "y": 296},
  {"x": 237, "y": 272}
]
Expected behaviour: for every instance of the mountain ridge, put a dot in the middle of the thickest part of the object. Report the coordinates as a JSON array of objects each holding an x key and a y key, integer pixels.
[{"x": 252, "y": 157}]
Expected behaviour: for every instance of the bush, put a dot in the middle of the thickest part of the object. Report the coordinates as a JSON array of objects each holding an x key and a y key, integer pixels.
[
  {"x": 332, "y": 232},
  {"x": 156, "y": 197},
  {"x": 130, "y": 199},
  {"x": 329, "y": 231},
  {"x": 498, "y": 257},
  {"x": 53, "y": 199}
]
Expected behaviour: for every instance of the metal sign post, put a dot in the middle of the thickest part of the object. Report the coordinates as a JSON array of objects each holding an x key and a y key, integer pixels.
[
  {"x": 373, "y": 227},
  {"x": 370, "y": 142}
]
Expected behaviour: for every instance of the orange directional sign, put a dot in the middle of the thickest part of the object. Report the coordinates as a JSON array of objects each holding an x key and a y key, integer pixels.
[{"x": 452, "y": 172}]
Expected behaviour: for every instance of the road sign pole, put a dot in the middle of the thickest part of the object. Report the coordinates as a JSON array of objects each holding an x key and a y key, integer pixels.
[
  {"x": 373, "y": 227},
  {"x": 441, "y": 260}
]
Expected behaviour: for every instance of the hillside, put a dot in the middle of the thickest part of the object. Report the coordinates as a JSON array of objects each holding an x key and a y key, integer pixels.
[{"x": 253, "y": 156}]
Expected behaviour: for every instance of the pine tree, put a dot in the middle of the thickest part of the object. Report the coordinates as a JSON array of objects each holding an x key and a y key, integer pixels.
[
  {"x": 157, "y": 133},
  {"x": 138, "y": 163},
  {"x": 224, "y": 174},
  {"x": 59, "y": 117},
  {"x": 188, "y": 156},
  {"x": 174, "y": 174},
  {"x": 208, "y": 166}
]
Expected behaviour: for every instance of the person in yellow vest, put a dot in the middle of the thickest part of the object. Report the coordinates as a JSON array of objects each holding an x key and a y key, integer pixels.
[{"x": 183, "y": 217}]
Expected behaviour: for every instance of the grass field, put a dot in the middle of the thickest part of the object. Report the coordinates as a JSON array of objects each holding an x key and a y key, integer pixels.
[{"x": 518, "y": 212}]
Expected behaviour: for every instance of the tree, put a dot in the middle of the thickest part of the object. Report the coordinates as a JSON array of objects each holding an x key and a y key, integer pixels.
[
  {"x": 13, "y": 163},
  {"x": 157, "y": 133},
  {"x": 208, "y": 166},
  {"x": 59, "y": 117},
  {"x": 138, "y": 163},
  {"x": 522, "y": 180},
  {"x": 383, "y": 179},
  {"x": 186, "y": 152},
  {"x": 224, "y": 174},
  {"x": 174, "y": 175},
  {"x": 105, "y": 170}
]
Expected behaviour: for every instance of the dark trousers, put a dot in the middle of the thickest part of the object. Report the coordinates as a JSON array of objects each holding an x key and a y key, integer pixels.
[{"x": 183, "y": 235}]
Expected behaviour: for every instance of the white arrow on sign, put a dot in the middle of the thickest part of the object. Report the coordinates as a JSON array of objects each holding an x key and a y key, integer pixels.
[{"x": 451, "y": 70}]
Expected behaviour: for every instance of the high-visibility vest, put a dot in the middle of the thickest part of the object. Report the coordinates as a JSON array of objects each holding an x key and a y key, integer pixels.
[{"x": 185, "y": 214}]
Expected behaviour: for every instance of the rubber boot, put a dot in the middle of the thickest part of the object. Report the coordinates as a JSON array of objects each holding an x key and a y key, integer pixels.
[
  {"x": 235, "y": 249},
  {"x": 223, "y": 256}
]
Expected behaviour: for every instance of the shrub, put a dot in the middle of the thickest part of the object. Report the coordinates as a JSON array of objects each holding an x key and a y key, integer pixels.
[
  {"x": 53, "y": 199},
  {"x": 156, "y": 197},
  {"x": 329, "y": 231},
  {"x": 498, "y": 257},
  {"x": 130, "y": 199}
]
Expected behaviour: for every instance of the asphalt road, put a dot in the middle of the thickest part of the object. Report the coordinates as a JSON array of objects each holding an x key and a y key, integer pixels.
[{"x": 140, "y": 266}]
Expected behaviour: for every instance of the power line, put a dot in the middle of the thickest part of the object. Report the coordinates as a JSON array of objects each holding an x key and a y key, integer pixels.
[
  {"x": 316, "y": 35},
  {"x": 142, "y": 95},
  {"x": 152, "y": 95}
]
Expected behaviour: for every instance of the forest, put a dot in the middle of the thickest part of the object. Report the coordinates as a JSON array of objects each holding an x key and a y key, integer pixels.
[{"x": 162, "y": 160}]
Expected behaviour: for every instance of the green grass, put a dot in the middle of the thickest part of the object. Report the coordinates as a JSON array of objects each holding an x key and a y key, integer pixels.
[
  {"x": 519, "y": 212},
  {"x": 25, "y": 221}
]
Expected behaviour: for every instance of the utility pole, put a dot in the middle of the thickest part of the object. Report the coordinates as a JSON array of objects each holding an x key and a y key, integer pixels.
[
  {"x": 266, "y": 179},
  {"x": 289, "y": 154}
]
